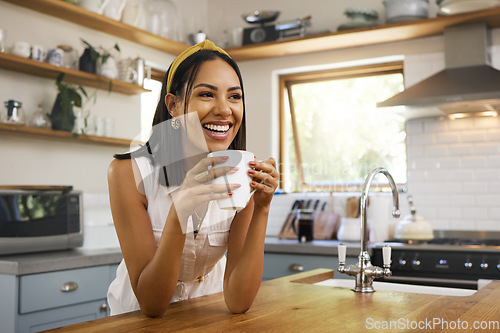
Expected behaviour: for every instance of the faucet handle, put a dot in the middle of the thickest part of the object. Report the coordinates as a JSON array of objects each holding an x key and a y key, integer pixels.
[
  {"x": 342, "y": 253},
  {"x": 386, "y": 255}
]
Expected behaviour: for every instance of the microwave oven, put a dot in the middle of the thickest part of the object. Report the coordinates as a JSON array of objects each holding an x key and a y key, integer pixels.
[{"x": 40, "y": 218}]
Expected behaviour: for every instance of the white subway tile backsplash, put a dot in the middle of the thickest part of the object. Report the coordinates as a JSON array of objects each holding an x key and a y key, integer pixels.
[
  {"x": 437, "y": 175},
  {"x": 461, "y": 124},
  {"x": 436, "y": 150},
  {"x": 460, "y": 175},
  {"x": 486, "y": 122},
  {"x": 474, "y": 136},
  {"x": 493, "y": 161},
  {"x": 431, "y": 126},
  {"x": 462, "y": 225},
  {"x": 473, "y": 162},
  {"x": 448, "y": 163},
  {"x": 449, "y": 213},
  {"x": 488, "y": 225},
  {"x": 423, "y": 188},
  {"x": 417, "y": 176},
  {"x": 460, "y": 200},
  {"x": 432, "y": 200},
  {"x": 488, "y": 200},
  {"x": 487, "y": 174},
  {"x": 494, "y": 187},
  {"x": 461, "y": 149},
  {"x": 494, "y": 134},
  {"x": 474, "y": 213},
  {"x": 430, "y": 213},
  {"x": 494, "y": 213},
  {"x": 416, "y": 126},
  {"x": 487, "y": 148},
  {"x": 475, "y": 187},
  {"x": 422, "y": 164},
  {"x": 439, "y": 224},
  {"x": 413, "y": 152},
  {"x": 423, "y": 139},
  {"x": 448, "y": 137}
]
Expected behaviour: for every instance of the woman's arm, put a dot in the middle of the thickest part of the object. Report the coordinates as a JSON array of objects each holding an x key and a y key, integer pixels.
[
  {"x": 153, "y": 271},
  {"x": 245, "y": 256}
]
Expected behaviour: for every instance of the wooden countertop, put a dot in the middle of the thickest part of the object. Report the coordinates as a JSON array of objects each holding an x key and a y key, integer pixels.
[{"x": 293, "y": 304}]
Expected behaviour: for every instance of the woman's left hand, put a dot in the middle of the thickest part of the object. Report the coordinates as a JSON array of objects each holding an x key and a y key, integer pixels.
[{"x": 265, "y": 179}]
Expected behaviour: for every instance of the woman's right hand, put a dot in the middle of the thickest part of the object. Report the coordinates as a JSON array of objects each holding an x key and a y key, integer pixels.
[{"x": 196, "y": 189}]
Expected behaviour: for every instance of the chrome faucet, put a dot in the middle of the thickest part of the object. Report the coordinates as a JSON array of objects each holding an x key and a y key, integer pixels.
[{"x": 364, "y": 271}]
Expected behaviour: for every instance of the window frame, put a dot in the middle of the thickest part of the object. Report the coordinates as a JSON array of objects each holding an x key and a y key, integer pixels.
[{"x": 286, "y": 82}]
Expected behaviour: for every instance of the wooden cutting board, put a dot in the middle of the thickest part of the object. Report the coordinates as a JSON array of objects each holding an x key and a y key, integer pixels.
[{"x": 326, "y": 225}]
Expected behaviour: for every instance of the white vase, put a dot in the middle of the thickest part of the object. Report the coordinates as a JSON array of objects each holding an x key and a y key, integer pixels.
[{"x": 108, "y": 69}]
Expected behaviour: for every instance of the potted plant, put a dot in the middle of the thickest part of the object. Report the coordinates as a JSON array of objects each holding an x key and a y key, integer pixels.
[
  {"x": 68, "y": 96},
  {"x": 92, "y": 55}
]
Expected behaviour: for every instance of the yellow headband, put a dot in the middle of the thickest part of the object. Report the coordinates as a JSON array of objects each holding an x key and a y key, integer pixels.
[{"x": 205, "y": 45}]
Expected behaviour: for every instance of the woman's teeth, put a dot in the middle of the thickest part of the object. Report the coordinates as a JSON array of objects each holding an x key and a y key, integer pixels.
[{"x": 217, "y": 128}]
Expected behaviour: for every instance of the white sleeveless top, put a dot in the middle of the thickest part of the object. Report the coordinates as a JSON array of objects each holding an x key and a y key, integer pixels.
[{"x": 203, "y": 258}]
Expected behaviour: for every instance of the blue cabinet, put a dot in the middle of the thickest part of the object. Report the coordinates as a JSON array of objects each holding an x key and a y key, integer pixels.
[
  {"x": 36, "y": 302},
  {"x": 282, "y": 264}
]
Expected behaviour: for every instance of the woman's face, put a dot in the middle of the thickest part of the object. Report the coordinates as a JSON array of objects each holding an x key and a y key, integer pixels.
[{"x": 217, "y": 97}]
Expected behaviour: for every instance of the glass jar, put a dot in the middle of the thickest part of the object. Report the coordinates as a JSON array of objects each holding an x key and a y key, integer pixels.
[
  {"x": 163, "y": 18},
  {"x": 14, "y": 113},
  {"x": 40, "y": 118}
]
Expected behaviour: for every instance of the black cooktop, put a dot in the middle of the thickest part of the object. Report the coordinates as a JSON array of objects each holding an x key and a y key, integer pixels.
[{"x": 450, "y": 241}]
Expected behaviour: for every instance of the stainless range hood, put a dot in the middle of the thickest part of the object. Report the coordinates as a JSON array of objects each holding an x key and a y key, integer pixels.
[{"x": 468, "y": 85}]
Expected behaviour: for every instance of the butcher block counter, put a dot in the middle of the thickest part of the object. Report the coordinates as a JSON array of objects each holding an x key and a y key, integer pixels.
[{"x": 295, "y": 304}]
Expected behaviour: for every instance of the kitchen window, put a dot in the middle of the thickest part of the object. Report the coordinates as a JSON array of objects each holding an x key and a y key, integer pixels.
[{"x": 332, "y": 135}]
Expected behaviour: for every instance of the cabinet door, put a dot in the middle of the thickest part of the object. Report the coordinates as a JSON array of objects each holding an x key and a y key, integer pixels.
[
  {"x": 67, "y": 315},
  {"x": 278, "y": 265}
]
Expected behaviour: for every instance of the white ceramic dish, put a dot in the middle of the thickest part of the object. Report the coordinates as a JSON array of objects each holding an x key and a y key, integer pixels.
[
  {"x": 450, "y": 7},
  {"x": 405, "y": 10}
]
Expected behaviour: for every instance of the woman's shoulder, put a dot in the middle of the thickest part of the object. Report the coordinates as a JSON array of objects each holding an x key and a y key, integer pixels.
[
  {"x": 123, "y": 176},
  {"x": 123, "y": 170}
]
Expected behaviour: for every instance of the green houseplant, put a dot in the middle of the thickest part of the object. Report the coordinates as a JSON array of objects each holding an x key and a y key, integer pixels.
[
  {"x": 68, "y": 96},
  {"x": 91, "y": 55}
]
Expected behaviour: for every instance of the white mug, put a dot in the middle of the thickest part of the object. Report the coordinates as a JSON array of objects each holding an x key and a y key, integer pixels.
[
  {"x": 2, "y": 40},
  {"x": 241, "y": 196},
  {"x": 22, "y": 49},
  {"x": 37, "y": 53},
  {"x": 108, "y": 69}
]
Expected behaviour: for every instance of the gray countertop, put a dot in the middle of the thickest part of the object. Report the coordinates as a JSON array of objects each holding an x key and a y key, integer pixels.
[
  {"x": 315, "y": 247},
  {"x": 31, "y": 263}
]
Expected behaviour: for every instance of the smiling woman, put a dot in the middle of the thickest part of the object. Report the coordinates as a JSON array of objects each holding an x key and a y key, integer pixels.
[{"x": 173, "y": 234}]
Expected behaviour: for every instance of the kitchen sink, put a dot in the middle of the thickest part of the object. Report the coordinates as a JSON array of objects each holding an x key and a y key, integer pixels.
[{"x": 400, "y": 287}]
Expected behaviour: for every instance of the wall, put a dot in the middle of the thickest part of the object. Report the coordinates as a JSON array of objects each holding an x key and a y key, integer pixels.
[{"x": 29, "y": 161}]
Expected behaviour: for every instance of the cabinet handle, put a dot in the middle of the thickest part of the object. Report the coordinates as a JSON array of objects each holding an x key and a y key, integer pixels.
[
  {"x": 103, "y": 307},
  {"x": 296, "y": 268},
  {"x": 69, "y": 286}
]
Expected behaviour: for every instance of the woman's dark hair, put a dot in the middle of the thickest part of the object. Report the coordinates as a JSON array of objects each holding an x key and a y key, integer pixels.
[{"x": 163, "y": 141}]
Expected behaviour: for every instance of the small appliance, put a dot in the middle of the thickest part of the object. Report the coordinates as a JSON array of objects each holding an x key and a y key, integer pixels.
[{"x": 40, "y": 218}]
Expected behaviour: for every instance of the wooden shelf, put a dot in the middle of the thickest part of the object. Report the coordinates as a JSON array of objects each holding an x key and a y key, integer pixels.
[
  {"x": 43, "y": 69},
  {"x": 89, "y": 19},
  {"x": 366, "y": 36},
  {"x": 44, "y": 133},
  {"x": 385, "y": 33}
]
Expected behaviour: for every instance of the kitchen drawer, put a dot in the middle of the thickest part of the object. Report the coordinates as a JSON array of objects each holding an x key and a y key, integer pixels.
[
  {"x": 278, "y": 265},
  {"x": 45, "y": 290},
  {"x": 68, "y": 315}
]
